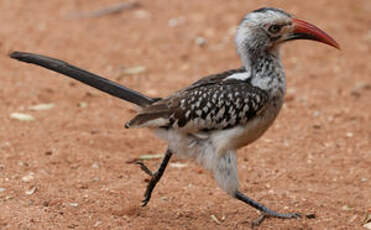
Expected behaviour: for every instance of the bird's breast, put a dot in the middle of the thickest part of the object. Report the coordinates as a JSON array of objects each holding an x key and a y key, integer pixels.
[{"x": 243, "y": 135}]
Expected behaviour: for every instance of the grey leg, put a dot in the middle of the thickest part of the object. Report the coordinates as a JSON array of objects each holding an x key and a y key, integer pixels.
[
  {"x": 266, "y": 212},
  {"x": 155, "y": 177},
  {"x": 226, "y": 175}
]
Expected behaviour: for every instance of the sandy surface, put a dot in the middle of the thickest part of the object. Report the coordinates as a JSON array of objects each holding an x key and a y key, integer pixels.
[{"x": 67, "y": 169}]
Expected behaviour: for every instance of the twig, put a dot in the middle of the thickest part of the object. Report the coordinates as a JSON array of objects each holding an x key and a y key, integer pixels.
[{"x": 114, "y": 9}]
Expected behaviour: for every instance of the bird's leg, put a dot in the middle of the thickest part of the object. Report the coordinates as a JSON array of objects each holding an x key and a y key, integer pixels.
[
  {"x": 155, "y": 177},
  {"x": 226, "y": 175},
  {"x": 266, "y": 212}
]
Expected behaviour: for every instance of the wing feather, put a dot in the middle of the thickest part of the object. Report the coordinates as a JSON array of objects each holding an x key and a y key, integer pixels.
[{"x": 209, "y": 104}]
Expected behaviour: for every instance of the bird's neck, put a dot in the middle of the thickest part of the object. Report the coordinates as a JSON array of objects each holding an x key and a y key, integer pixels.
[{"x": 266, "y": 70}]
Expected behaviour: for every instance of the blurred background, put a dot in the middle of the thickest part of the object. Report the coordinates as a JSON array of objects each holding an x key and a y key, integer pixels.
[{"x": 63, "y": 158}]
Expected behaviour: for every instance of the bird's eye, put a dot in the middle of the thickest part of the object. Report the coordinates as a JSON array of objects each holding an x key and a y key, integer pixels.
[{"x": 274, "y": 29}]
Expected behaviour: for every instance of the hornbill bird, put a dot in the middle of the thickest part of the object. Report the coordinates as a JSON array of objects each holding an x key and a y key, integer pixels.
[{"x": 218, "y": 114}]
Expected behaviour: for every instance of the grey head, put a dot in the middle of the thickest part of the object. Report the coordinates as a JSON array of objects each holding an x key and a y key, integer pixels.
[{"x": 263, "y": 30}]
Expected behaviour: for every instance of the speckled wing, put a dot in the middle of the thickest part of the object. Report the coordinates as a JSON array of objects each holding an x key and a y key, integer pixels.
[{"x": 212, "y": 103}]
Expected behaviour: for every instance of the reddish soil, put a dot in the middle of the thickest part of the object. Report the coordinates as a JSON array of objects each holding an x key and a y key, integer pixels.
[{"x": 315, "y": 159}]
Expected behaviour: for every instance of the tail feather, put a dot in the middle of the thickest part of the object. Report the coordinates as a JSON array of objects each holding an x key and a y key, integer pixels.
[{"x": 86, "y": 77}]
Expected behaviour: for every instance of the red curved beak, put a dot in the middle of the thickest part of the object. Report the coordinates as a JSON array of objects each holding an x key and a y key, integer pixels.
[{"x": 305, "y": 30}]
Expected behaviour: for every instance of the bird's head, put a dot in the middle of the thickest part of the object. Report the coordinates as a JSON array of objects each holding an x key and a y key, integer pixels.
[{"x": 266, "y": 28}]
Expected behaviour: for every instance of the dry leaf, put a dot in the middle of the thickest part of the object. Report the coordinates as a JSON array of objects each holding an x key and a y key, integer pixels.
[
  {"x": 31, "y": 191},
  {"x": 368, "y": 225},
  {"x": 22, "y": 117},
  {"x": 213, "y": 217},
  {"x": 150, "y": 156},
  {"x": 367, "y": 218},
  {"x": 178, "y": 165},
  {"x": 29, "y": 177},
  {"x": 135, "y": 70},
  {"x": 346, "y": 208},
  {"x": 41, "y": 107}
]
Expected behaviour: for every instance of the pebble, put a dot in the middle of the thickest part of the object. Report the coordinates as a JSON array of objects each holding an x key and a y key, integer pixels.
[
  {"x": 82, "y": 104},
  {"x": 201, "y": 41},
  {"x": 74, "y": 204}
]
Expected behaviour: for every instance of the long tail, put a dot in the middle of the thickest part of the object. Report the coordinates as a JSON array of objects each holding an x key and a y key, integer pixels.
[{"x": 86, "y": 77}]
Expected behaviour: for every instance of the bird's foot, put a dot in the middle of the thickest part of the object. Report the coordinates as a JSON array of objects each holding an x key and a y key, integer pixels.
[
  {"x": 155, "y": 177},
  {"x": 150, "y": 185},
  {"x": 265, "y": 215},
  {"x": 266, "y": 212}
]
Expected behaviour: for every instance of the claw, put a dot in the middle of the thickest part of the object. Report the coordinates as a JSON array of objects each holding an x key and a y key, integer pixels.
[
  {"x": 145, "y": 202},
  {"x": 155, "y": 177},
  {"x": 144, "y": 168}
]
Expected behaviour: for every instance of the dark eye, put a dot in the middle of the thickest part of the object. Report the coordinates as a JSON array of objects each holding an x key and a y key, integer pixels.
[{"x": 274, "y": 29}]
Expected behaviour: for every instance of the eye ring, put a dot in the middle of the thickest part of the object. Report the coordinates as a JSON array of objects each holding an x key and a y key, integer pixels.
[{"x": 274, "y": 29}]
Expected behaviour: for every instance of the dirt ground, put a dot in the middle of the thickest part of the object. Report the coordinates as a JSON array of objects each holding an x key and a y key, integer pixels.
[{"x": 67, "y": 169}]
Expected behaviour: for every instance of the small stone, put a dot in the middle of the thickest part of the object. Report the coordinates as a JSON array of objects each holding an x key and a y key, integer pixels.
[
  {"x": 2, "y": 189},
  {"x": 364, "y": 179},
  {"x": 201, "y": 41},
  {"x": 82, "y": 104},
  {"x": 74, "y": 204},
  {"x": 349, "y": 134},
  {"x": 95, "y": 165}
]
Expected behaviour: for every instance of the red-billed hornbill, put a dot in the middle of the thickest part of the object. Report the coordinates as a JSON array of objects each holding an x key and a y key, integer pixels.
[{"x": 212, "y": 118}]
